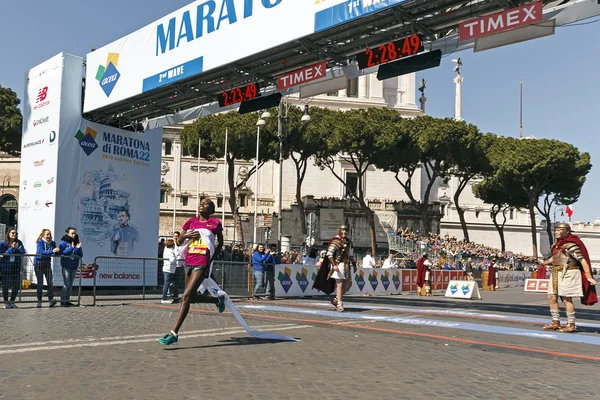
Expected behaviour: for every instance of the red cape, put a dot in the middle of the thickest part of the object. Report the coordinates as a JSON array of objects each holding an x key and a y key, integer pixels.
[
  {"x": 541, "y": 272},
  {"x": 590, "y": 297},
  {"x": 321, "y": 282},
  {"x": 492, "y": 274},
  {"x": 421, "y": 271}
]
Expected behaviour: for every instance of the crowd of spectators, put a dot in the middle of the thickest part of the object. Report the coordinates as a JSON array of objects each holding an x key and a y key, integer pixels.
[{"x": 447, "y": 250}]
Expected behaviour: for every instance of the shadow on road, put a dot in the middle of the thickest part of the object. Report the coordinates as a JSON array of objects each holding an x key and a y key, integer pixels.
[{"x": 234, "y": 341}]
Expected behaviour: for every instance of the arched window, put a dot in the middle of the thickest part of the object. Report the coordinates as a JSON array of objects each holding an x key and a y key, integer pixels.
[{"x": 8, "y": 210}]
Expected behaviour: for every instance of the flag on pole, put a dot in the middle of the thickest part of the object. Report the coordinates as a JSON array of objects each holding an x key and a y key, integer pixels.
[{"x": 569, "y": 211}]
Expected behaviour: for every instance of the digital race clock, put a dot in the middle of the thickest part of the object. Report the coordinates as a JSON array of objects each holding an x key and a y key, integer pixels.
[
  {"x": 238, "y": 95},
  {"x": 391, "y": 51}
]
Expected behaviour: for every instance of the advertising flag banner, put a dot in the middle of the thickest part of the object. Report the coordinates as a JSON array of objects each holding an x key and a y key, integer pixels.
[
  {"x": 51, "y": 106},
  {"x": 114, "y": 187},
  {"x": 103, "y": 181}
]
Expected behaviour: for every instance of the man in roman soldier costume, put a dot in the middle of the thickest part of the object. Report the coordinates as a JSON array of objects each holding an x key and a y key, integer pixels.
[
  {"x": 492, "y": 275},
  {"x": 571, "y": 277},
  {"x": 335, "y": 269},
  {"x": 424, "y": 276}
]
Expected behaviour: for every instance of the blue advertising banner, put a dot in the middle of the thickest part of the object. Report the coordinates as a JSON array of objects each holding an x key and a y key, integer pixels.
[{"x": 349, "y": 10}]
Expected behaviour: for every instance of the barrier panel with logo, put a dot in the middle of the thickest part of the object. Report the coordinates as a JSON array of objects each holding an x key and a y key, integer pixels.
[
  {"x": 506, "y": 279},
  {"x": 463, "y": 290},
  {"x": 537, "y": 285},
  {"x": 293, "y": 280},
  {"x": 513, "y": 278}
]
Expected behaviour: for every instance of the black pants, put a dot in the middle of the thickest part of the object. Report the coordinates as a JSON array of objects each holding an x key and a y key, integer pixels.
[{"x": 11, "y": 277}]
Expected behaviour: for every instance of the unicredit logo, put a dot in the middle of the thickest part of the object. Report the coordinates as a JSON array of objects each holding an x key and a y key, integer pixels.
[
  {"x": 40, "y": 121},
  {"x": 31, "y": 144}
]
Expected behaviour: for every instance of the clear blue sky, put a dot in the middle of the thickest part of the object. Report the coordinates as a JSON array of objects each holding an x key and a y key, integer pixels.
[{"x": 560, "y": 73}]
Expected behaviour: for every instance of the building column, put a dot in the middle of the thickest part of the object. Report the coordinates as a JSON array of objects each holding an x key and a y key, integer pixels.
[
  {"x": 176, "y": 163},
  {"x": 458, "y": 100},
  {"x": 375, "y": 88},
  {"x": 362, "y": 87}
]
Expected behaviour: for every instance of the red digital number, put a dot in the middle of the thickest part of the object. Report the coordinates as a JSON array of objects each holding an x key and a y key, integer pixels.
[
  {"x": 370, "y": 62},
  {"x": 391, "y": 47},
  {"x": 225, "y": 99},
  {"x": 383, "y": 52},
  {"x": 406, "y": 47},
  {"x": 415, "y": 42}
]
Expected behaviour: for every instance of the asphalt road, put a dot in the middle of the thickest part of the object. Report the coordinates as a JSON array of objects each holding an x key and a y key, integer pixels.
[{"x": 389, "y": 347}]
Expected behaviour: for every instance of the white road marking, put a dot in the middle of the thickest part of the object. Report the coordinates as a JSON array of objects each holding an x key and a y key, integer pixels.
[
  {"x": 93, "y": 339},
  {"x": 92, "y": 342}
]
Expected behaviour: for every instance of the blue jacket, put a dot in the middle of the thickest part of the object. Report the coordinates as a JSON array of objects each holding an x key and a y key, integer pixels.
[
  {"x": 43, "y": 249},
  {"x": 260, "y": 259},
  {"x": 8, "y": 252},
  {"x": 67, "y": 250},
  {"x": 128, "y": 235}
]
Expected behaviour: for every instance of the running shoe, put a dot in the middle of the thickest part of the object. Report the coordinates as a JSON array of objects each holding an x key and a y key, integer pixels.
[
  {"x": 168, "y": 339},
  {"x": 221, "y": 304}
]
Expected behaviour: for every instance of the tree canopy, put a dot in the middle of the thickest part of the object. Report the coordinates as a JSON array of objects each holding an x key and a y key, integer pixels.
[{"x": 11, "y": 122}]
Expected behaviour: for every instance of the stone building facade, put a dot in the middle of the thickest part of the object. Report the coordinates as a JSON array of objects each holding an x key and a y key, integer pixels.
[{"x": 9, "y": 191}]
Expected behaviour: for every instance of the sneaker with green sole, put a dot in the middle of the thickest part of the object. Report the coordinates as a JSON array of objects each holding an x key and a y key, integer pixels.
[
  {"x": 221, "y": 304},
  {"x": 168, "y": 339}
]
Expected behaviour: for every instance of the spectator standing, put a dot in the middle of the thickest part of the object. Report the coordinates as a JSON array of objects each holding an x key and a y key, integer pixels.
[
  {"x": 368, "y": 261},
  {"x": 469, "y": 269},
  {"x": 261, "y": 259},
  {"x": 42, "y": 262},
  {"x": 10, "y": 266},
  {"x": 389, "y": 262},
  {"x": 69, "y": 246},
  {"x": 171, "y": 256}
]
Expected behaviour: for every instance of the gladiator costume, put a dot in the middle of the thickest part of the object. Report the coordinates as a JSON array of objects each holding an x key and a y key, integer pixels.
[
  {"x": 341, "y": 250},
  {"x": 340, "y": 255},
  {"x": 569, "y": 278},
  {"x": 424, "y": 276}
]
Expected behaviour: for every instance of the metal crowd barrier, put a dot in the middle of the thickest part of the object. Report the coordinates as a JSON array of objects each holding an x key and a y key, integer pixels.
[
  {"x": 19, "y": 272},
  {"x": 131, "y": 278}
]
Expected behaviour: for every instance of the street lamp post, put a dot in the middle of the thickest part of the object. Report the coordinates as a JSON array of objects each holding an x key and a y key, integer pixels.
[
  {"x": 262, "y": 121},
  {"x": 280, "y": 185},
  {"x": 562, "y": 212},
  {"x": 280, "y": 120}
]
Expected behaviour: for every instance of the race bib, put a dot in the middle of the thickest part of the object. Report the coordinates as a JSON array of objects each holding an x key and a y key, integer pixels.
[
  {"x": 197, "y": 247},
  {"x": 122, "y": 248}
]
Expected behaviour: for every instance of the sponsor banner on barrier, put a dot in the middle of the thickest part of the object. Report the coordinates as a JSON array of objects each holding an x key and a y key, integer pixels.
[
  {"x": 537, "y": 285},
  {"x": 294, "y": 280},
  {"x": 463, "y": 290},
  {"x": 513, "y": 278}
]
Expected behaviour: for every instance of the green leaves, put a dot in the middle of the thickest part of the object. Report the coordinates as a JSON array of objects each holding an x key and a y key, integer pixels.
[
  {"x": 11, "y": 122},
  {"x": 241, "y": 131}
]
